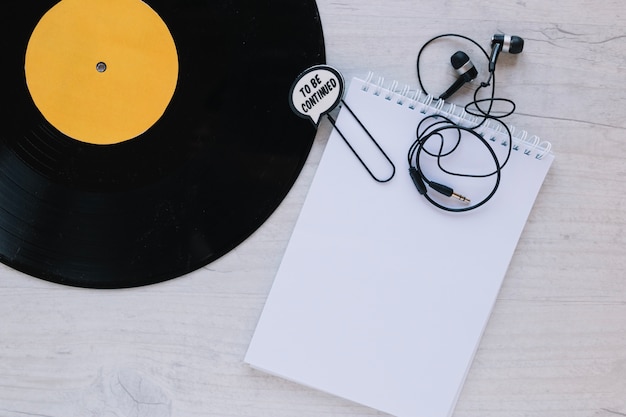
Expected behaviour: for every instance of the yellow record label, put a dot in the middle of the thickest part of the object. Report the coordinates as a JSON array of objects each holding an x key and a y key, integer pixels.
[{"x": 101, "y": 71}]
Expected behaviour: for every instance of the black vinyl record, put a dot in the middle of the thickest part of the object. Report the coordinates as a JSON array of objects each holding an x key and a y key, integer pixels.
[{"x": 196, "y": 184}]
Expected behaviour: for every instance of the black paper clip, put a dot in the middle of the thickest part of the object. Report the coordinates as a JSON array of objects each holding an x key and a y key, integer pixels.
[{"x": 334, "y": 123}]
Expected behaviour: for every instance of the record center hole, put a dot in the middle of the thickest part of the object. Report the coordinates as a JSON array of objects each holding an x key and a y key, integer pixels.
[{"x": 101, "y": 67}]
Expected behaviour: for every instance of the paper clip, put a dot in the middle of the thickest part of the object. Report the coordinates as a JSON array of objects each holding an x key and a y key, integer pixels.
[{"x": 393, "y": 167}]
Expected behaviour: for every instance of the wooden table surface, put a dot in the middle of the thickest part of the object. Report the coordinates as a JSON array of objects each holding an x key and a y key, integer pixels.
[{"x": 556, "y": 342}]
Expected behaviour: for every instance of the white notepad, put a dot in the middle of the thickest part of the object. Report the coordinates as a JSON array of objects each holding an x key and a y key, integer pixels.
[{"x": 382, "y": 298}]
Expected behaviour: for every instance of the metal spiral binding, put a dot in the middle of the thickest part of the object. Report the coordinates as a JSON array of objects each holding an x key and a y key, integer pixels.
[{"x": 414, "y": 99}]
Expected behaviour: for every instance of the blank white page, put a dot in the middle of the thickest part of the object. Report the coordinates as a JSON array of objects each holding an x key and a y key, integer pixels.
[{"x": 382, "y": 298}]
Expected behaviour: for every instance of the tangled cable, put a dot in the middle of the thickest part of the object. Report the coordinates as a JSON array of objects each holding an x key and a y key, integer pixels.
[{"x": 448, "y": 135}]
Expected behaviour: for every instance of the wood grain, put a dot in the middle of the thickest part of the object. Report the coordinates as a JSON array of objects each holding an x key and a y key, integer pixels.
[{"x": 556, "y": 343}]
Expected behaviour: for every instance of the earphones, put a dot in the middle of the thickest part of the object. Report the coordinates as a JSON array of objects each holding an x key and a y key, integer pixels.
[
  {"x": 463, "y": 65},
  {"x": 466, "y": 70},
  {"x": 504, "y": 43},
  {"x": 448, "y": 135}
]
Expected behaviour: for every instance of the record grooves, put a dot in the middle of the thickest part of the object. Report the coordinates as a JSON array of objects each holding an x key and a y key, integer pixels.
[{"x": 197, "y": 183}]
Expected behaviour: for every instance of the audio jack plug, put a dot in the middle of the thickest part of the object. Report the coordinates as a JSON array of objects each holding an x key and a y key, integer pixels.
[
  {"x": 440, "y": 188},
  {"x": 447, "y": 191}
]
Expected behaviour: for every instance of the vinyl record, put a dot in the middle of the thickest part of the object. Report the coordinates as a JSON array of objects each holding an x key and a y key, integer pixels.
[{"x": 140, "y": 143}]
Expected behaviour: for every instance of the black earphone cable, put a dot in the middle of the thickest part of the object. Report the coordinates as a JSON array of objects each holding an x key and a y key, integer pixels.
[
  {"x": 440, "y": 124},
  {"x": 445, "y": 35}
]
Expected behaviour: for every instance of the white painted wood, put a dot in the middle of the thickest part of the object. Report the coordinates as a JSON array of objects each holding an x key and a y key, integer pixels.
[{"x": 556, "y": 343}]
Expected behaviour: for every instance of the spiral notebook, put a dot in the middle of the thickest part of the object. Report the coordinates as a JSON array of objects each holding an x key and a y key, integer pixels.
[{"x": 382, "y": 298}]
